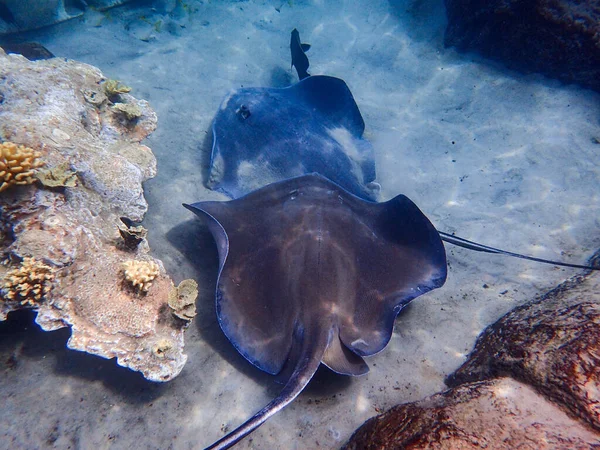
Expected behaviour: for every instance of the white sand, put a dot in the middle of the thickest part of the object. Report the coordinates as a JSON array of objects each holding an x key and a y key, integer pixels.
[{"x": 500, "y": 158}]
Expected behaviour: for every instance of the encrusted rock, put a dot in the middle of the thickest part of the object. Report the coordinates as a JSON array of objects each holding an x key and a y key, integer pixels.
[
  {"x": 74, "y": 229},
  {"x": 552, "y": 344},
  {"x": 559, "y": 38},
  {"x": 498, "y": 414}
]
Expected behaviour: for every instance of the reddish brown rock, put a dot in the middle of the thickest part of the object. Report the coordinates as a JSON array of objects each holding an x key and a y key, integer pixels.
[
  {"x": 552, "y": 344},
  {"x": 498, "y": 414},
  {"x": 559, "y": 38}
]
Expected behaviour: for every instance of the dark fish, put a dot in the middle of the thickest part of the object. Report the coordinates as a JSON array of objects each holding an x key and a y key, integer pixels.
[
  {"x": 311, "y": 274},
  {"x": 299, "y": 58}
]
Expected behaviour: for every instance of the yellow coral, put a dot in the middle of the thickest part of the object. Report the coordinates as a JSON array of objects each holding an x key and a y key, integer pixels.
[
  {"x": 115, "y": 87},
  {"x": 140, "y": 273},
  {"x": 29, "y": 283},
  {"x": 182, "y": 299},
  {"x": 17, "y": 164}
]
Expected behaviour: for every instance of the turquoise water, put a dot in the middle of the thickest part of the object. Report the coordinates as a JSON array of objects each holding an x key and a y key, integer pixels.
[{"x": 497, "y": 156}]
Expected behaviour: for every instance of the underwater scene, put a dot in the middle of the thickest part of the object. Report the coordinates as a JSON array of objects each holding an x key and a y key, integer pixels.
[{"x": 299, "y": 224}]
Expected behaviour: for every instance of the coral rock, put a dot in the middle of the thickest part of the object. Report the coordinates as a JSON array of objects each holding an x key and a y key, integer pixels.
[
  {"x": 498, "y": 414},
  {"x": 552, "y": 344},
  {"x": 559, "y": 38},
  {"x": 17, "y": 164},
  {"x": 74, "y": 229}
]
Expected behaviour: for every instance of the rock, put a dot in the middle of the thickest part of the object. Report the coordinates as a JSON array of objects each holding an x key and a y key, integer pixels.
[
  {"x": 552, "y": 344},
  {"x": 59, "y": 108},
  {"x": 548, "y": 352},
  {"x": 30, "y": 50},
  {"x": 558, "y": 38},
  {"x": 22, "y": 15},
  {"x": 498, "y": 414}
]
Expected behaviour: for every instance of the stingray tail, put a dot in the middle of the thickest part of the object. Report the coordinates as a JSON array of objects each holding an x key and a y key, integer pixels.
[
  {"x": 465, "y": 243},
  {"x": 310, "y": 354}
]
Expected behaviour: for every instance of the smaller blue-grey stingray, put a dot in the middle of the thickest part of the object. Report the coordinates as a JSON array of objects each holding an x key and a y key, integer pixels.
[
  {"x": 264, "y": 135},
  {"x": 310, "y": 273}
]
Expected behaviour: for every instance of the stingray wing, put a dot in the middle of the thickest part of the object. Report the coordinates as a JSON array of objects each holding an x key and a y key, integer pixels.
[
  {"x": 250, "y": 309},
  {"x": 398, "y": 256}
]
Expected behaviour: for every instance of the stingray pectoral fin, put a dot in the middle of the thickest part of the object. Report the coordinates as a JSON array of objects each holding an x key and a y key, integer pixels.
[
  {"x": 313, "y": 346},
  {"x": 342, "y": 360}
]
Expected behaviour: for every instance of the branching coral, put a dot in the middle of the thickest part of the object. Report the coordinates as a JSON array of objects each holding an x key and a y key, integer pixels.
[
  {"x": 29, "y": 283},
  {"x": 140, "y": 273},
  {"x": 17, "y": 164}
]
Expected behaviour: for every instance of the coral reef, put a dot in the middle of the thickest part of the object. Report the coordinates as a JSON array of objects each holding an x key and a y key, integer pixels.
[
  {"x": 17, "y": 164},
  {"x": 94, "y": 169},
  {"x": 29, "y": 283},
  {"x": 140, "y": 273}
]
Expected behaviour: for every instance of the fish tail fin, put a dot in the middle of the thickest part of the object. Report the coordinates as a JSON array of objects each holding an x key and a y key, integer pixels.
[{"x": 306, "y": 366}]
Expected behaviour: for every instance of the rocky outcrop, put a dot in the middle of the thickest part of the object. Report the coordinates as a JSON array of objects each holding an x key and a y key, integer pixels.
[
  {"x": 62, "y": 240},
  {"x": 558, "y": 38},
  {"x": 22, "y": 15},
  {"x": 547, "y": 355},
  {"x": 498, "y": 414},
  {"x": 552, "y": 344}
]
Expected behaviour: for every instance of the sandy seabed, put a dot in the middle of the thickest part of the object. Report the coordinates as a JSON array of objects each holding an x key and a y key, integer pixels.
[{"x": 498, "y": 157}]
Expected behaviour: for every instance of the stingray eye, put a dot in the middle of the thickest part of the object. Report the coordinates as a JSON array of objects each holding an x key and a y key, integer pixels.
[
  {"x": 243, "y": 112},
  {"x": 293, "y": 194}
]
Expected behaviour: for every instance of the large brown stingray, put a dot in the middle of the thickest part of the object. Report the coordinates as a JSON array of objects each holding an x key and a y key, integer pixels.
[{"x": 310, "y": 273}]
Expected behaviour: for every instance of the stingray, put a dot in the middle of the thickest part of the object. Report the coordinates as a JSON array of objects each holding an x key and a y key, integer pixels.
[
  {"x": 310, "y": 273},
  {"x": 263, "y": 135}
]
